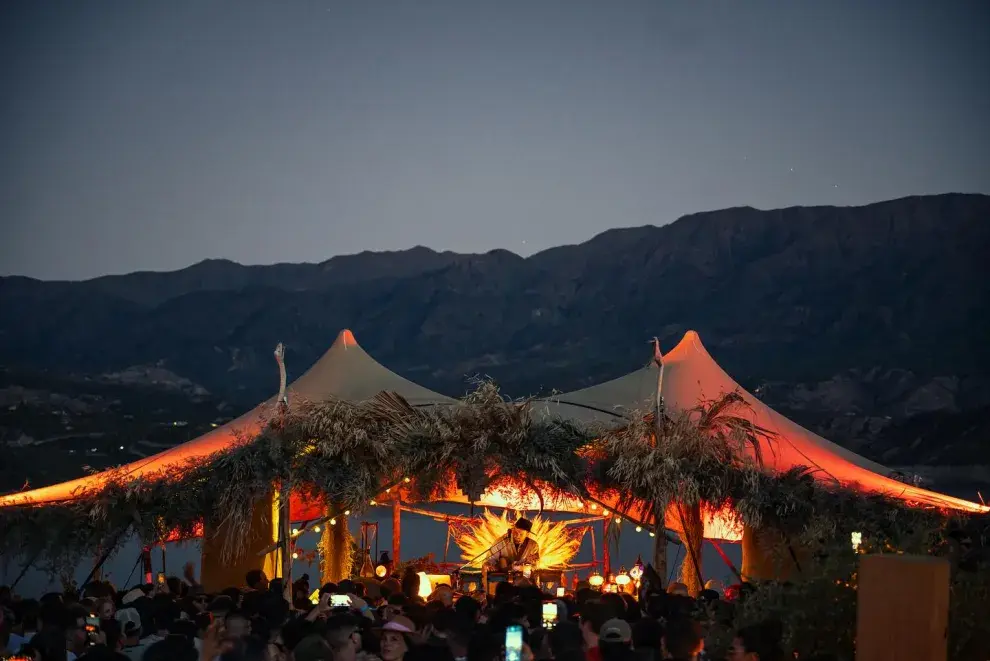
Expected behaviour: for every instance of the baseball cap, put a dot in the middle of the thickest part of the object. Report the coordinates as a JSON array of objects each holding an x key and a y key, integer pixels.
[
  {"x": 129, "y": 620},
  {"x": 615, "y": 631}
]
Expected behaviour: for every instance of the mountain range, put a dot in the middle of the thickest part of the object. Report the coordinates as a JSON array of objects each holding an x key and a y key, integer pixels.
[{"x": 865, "y": 323}]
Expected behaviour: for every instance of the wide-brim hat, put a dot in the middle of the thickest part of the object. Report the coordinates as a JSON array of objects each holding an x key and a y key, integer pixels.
[
  {"x": 400, "y": 624},
  {"x": 523, "y": 524}
]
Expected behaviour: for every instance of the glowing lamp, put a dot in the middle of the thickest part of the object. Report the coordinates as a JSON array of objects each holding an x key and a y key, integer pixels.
[
  {"x": 333, "y": 522},
  {"x": 857, "y": 539},
  {"x": 636, "y": 572},
  {"x": 295, "y": 556},
  {"x": 295, "y": 531},
  {"x": 406, "y": 480},
  {"x": 316, "y": 529},
  {"x": 639, "y": 528},
  {"x": 381, "y": 571},
  {"x": 372, "y": 503},
  {"x": 425, "y": 588},
  {"x": 596, "y": 580},
  {"x": 623, "y": 577},
  {"x": 652, "y": 534},
  {"x": 347, "y": 512}
]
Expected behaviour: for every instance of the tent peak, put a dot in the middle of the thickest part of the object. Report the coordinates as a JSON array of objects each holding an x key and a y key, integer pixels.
[
  {"x": 346, "y": 339},
  {"x": 689, "y": 344}
]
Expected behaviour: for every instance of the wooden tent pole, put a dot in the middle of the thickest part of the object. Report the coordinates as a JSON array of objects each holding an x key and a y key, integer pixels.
[
  {"x": 606, "y": 552},
  {"x": 659, "y": 514},
  {"x": 284, "y": 493},
  {"x": 396, "y": 530}
]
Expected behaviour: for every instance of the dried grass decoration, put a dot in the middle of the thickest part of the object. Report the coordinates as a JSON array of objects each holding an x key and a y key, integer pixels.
[{"x": 557, "y": 542}]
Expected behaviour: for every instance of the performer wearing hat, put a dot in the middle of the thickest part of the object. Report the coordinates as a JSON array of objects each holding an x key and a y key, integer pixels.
[{"x": 517, "y": 548}]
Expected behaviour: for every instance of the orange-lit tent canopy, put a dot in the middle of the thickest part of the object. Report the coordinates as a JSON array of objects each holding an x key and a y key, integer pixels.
[
  {"x": 345, "y": 371},
  {"x": 691, "y": 375}
]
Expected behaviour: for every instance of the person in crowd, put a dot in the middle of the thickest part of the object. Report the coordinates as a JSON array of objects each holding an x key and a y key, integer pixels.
[
  {"x": 684, "y": 639},
  {"x": 758, "y": 642},
  {"x": 615, "y": 640},
  {"x": 397, "y": 638},
  {"x": 132, "y": 645},
  {"x": 256, "y": 580}
]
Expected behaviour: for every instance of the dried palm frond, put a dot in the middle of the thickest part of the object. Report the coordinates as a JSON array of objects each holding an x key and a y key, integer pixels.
[{"x": 557, "y": 543}]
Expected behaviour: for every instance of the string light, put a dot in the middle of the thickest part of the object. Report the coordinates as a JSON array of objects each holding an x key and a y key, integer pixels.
[
  {"x": 347, "y": 512},
  {"x": 373, "y": 503},
  {"x": 406, "y": 480},
  {"x": 639, "y": 528},
  {"x": 333, "y": 522},
  {"x": 316, "y": 529},
  {"x": 295, "y": 556},
  {"x": 652, "y": 534},
  {"x": 295, "y": 531}
]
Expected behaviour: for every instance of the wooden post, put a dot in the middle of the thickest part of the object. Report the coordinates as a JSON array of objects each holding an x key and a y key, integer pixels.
[
  {"x": 284, "y": 493},
  {"x": 285, "y": 538},
  {"x": 693, "y": 529},
  {"x": 396, "y": 530},
  {"x": 660, "y": 513},
  {"x": 660, "y": 550},
  {"x": 606, "y": 552},
  {"x": 902, "y": 608}
]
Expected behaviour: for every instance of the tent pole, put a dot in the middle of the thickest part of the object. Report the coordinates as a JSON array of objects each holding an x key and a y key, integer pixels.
[
  {"x": 396, "y": 530},
  {"x": 659, "y": 514},
  {"x": 606, "y": 552},
  {"x": 284, "y": 494},
  {"x": 103, "y": 558},
  {"x": 146, "y": 561}
]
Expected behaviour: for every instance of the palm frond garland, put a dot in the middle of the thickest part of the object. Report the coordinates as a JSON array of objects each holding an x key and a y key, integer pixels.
[
  {"x": 485, "y": 439},
  {"x": 347, "y": 453}
]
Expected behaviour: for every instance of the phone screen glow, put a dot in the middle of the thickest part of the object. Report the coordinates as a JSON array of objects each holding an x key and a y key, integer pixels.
[{"x": 513, "y": 643}]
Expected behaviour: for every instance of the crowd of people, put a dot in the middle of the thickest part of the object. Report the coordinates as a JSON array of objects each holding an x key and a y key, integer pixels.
[{"x": 364, "y": 620}]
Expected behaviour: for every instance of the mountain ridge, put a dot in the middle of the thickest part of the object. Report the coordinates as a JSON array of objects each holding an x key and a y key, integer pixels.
[{"x": 809, "y": 299}]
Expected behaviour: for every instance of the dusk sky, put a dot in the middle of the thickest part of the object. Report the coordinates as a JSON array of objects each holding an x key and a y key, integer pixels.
[{"x": 152, "y": 134}]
